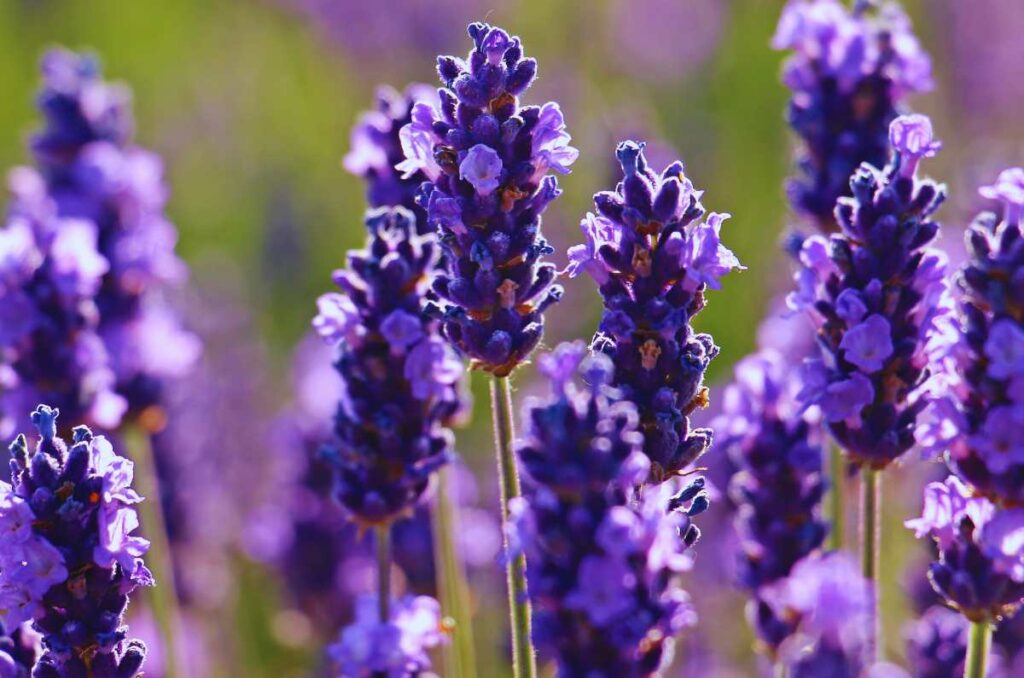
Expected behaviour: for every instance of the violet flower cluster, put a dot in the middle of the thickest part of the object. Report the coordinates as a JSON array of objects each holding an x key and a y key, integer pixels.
[
  {"x": 850, "y": 73},
  {"x": 377, "y": 149},
  {"x": 877, "y": 292},
  {"x": 69, "y": 561},
  {"x": 601, "y": 560},
  {"x": 976, "y": 420},
  {"x": 980, "y": 569},
  {"x": 400, "y": 378},
  {"x": 487, "y": 160},
  {"x": 653, "y": 256},
  {"x": 369, "y": 648},
  {"x": 94, "y": 172},
  {"x": 778, "y": 486}
]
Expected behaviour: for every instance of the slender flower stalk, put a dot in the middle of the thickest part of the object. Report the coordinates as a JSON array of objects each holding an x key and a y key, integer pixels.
[
  {"x": 488, "y": 160},
  {"x": 979, "y": 646},
  {"x": 653, "y": 257},
  {"x": 69, "y": 561},
  {"x": 603, "y": 561}
]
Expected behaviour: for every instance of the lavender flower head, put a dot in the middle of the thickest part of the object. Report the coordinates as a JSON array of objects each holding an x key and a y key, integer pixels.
[
  {"x": 94, "y": 172},
  {"x": 977, "y": 415},
  {"x": 653, "y": 257},
  {"x": 980, "y": 569},
  {"x": 487, "y": 160},
  {"x": 368, "y": 648},
  {"x": 601, "y": 560},
  {"x": 778, "y": 486},
  {"x": 400, "y": 379},
  {"x": 850, "y": 73},
  {"x": 876, "y": 291},
  {"x": 377, "y": 149},
  {"x": 828, "y": 602},
  {"x": 69, "y": 560}
]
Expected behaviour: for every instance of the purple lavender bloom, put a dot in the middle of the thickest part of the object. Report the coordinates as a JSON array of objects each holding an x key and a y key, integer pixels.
[
  {"x": 828, "y": 601},
  {"x": 487, "y": 160},
  {"x": 601, "y": 560},
  {"x": 17, "y": 653},
  {"x": 653, "y": 257},
  {"x": 397, "y": 398},
  {"x": 877, "y": 294},
  {"x": 937, "y": 643},
  {"x": 377, "y": 148},
  {"x": 979, "y": 406},
  {"x": 850, "y": 73},
  {"x": 980, "y": 569},
  {"x": 778, "y": 486},
  {"x": 93, "y": 171},
  {"x": 69, "y": 561},
  {"x": 368, "y": 648}
]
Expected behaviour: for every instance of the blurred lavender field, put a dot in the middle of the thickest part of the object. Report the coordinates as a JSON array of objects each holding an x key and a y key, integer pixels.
[{"x": 250, "y": 103}]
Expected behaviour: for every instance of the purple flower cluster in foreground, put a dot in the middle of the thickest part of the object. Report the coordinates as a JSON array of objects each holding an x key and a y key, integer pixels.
[
  {"x": 778, "y": 484},
  {"x": 602, "y": 560},
  {"x": 487, "y": 160},
  {"x": 69, "y": 561},
  {"x": 850, "y": 73},
  {"x": 653, "y": 257},
  {"x": 876, "y": 290},
  {"x": 400, "y": 379}
]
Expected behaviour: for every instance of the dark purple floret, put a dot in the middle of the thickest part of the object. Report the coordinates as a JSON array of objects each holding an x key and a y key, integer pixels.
[
  {"x": 400, "y": 379},
  {"x": 17, "y": 653},
  {"x": 377, "y": 149},
  {"x": 876, "y": 291},
  {"x": 487, "y": 160},
  {"x": 778, "y": 486},
  {"x": 602, "y": 560},
  {"x": 977, "y": 419},
  {"x": 69, "y": 561},
  {"x": 653, "y": 256},
  {"x": 850, "y": 73}
]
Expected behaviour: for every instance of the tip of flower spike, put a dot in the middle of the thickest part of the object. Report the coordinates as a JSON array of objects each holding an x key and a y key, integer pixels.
[
  {"x": 44, "y": 418},
  {"x": 912, "y": 138},
  {"x": 631, "y": 157},
  {"x": 1008, "y": 189}
]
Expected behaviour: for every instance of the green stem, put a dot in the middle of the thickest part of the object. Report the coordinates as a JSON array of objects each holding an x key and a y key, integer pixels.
[
  {"x": 978, "y": 649},
  {"x": 384, "y": 572},
  {"x": 523, "y": 662},
  {"x": 460, "y": 655},
  {"x": 163, "y": 598},
  {"x": 870, "y": 538},
  {"x": 836, "y": 503}
]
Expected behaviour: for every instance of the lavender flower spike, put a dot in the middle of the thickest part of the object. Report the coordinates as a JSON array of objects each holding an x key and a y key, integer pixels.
[
  {"x": 653, "y": 257},
  {"x": 69, "y": 560},
  {"x": 980, "y": 570},
  {"x": 779, "y": 485},
  {"x": 979, "y": 406},
  {"x": 876, "y": 291},
  {"x": 399, "y": 377},
  {"x": 487, "y": 160},
  {"x": 850, "y": 74},
  {"x": 602, "y": 561}
]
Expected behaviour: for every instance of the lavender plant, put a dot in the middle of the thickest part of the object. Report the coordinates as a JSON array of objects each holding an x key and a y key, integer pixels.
[
  {"x": 602, "y": 561},
  {"x": 69, "y": 561},
  {"x": 850, "y": 73},
  {"x": 653, "y": 257},
  {"x": 778, "y": 486}
]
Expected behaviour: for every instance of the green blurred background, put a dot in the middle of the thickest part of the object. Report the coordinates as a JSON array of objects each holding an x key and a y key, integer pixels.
[{"x": 250, "y": 103}]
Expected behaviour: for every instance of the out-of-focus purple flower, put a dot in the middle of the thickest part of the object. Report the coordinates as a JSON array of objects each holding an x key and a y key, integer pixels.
[
  {"x": 653, "y": 257},
  {"x": 69, "y": 561},
  {"x": 850, "y": 73},
  {"x": 778, "y": 486},
  {"x": 368, "y": 647},
  {"x": 976, "y": 417},
  {"x": 648, "y": 44},
  {"x": 390, "y": 427},
  {"x": 601, "y": 560},
  {"x": 376, "y": 148},
  {"x": 980, "y": 569},
  {"x": 488, "y": 159},
  {"x": 937, "y": 643},
  {"x": 878, "y": 300}
]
